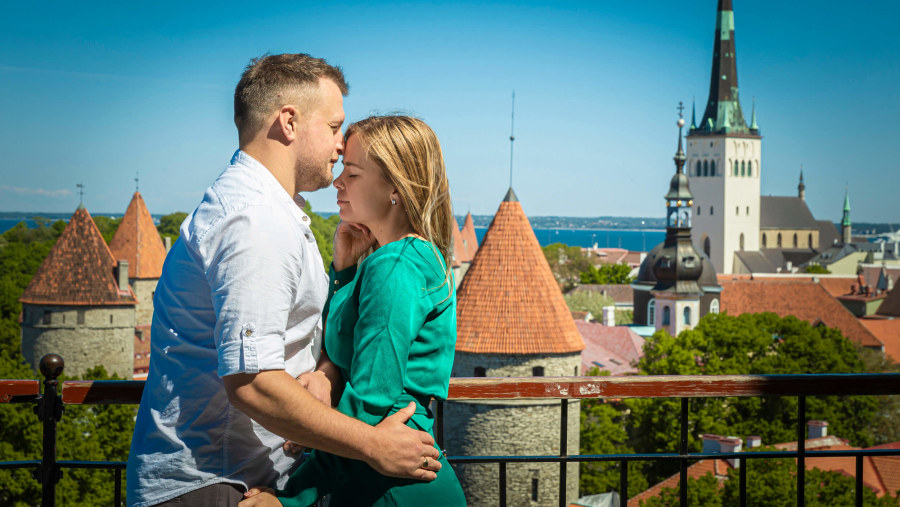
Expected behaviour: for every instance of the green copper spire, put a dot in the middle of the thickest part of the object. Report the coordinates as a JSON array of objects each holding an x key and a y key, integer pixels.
[
  {"x": 693, "y": 114},
  {"x": 754, "y": 128},
  {"x": 845, "y": 221}
]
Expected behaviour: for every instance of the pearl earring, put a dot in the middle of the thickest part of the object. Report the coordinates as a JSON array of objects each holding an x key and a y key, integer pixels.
[{"x": 394, "y": 202}]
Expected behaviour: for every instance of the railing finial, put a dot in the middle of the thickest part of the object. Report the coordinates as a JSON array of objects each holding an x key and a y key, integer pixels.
[{"x": 51, "y": 366}]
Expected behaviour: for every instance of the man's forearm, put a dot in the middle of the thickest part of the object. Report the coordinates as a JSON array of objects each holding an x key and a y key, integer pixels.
[{"x": 277, "y": 402}]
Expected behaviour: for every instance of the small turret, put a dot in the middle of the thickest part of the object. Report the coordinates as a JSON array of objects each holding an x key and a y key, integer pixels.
[
  {"x": 801, "y": 188},
  {"x": 845, "y": 219}
]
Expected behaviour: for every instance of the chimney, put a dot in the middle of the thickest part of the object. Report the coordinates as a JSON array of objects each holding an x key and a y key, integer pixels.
[
  {"x": 753, "y": 441},
  {"x": 122, "y": 275},
  {"x": 731, "y": 444},
  {"x": 788, "y": 266},
  {"x": 711, "y": 443},
  {"x": 168, "y": 243},
  {"x": 609, "y": 316},
  {"x": 817, "y": 429}
]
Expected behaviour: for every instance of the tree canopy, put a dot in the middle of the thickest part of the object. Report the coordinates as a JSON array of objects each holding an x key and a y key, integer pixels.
[{"x": 607, "y": 274}]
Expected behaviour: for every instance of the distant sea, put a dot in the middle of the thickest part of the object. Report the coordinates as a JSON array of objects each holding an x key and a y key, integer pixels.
[
  {"x": 636, "y": 240},
  {"x": 640, "y": 240}
]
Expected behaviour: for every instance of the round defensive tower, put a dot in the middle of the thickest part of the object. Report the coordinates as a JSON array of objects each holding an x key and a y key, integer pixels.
[{"x": 512, "y": 321}]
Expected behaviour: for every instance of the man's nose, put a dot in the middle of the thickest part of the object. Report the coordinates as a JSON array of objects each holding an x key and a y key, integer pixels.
[{"x": 340, "y": 143}]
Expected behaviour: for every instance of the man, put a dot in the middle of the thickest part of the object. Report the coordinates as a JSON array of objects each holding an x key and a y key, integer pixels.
[{"x": 237, "y": 314}]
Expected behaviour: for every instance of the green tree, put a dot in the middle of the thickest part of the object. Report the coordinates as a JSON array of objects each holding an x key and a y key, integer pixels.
[
  {"x": 607, "y": 274},
  {"x": 107, "y": 226},
  {"x": 747, "y": 344},
  {"x": 588, "y": 301},
  {"x": 817, "y": 269},
  {"x": 323, "y": 229},
  {"x": 566, "y": 262},
  {"x": 603, "y": 432},
  {"x": 170, "y": 225}
]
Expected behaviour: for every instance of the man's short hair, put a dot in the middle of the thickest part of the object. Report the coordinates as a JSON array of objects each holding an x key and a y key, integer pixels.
[{"x": 272, "y": 81}]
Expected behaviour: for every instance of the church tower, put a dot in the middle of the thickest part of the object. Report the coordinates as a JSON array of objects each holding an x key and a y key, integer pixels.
[
  {"x": 846, "y": 230},
  {"x": 723, "y": 159}
]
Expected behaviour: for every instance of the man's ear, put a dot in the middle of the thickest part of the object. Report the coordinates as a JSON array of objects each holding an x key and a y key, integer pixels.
[{"x": 288, "y": 122}]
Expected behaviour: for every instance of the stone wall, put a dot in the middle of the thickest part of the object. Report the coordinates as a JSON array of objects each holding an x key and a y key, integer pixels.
[
  {"x": 519, "y": 427},
  {"x": 85, "y": 336},
  {"x": 143, "y": 290}
]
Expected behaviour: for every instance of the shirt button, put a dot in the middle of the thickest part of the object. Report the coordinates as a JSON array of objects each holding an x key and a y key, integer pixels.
[
  {"x": 248, "y": 332},
  {"x": 337, "y": 282},
  {"x": 305, "y": 218}
]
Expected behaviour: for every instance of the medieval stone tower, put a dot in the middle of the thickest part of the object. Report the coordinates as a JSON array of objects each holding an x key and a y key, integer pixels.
[
  {"x": 512, "y": 321},
  {"x": 724, "y": 159},
  {"x": 79, "y": 304},
  {"x": 137, "y": 241}
]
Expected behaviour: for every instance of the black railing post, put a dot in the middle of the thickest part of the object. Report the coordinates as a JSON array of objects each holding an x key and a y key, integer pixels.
[
  {"x": 563, "y": 450},
  {"x": 49, "y": 411},
  {"x": 859, "y": 481},
  {"x": 502, "y": 484},
  {"x": 623, "y": 484},
  {"x": 742, "y": 486},
  {"x": 439, "y": 419},
  {"x": 682, "y": 480},
  {"x": 801, "y": 451},
  {"x": 118, "y": 490}
]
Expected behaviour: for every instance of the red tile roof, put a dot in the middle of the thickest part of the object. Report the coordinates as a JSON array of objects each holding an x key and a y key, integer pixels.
[
  {"x": 509, "y": 302},
  {"x": 469, "y": 239},
  {"x": 887, "y": 330},
  {"x": 891, "y": 305},
  {"x": 617, "y": 348},
  {"x": 459, "y": 251},
  {"x": 79, "y": 270},
  {"x": 718, "y": 467},
  {"x": 805, "y": 300},
  {"x": 138, "y": 241}
]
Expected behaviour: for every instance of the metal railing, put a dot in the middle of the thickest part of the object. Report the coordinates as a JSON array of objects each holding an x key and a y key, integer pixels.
[{"x": 50, "y": 401}]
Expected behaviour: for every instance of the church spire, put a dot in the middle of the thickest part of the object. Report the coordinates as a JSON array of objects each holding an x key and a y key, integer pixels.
[
  {"x": 845, "y": 220},
  {"x": 693, "y": 114},
  {"x": 723, "y": 113},
  {"x": 801, "y": 188}
]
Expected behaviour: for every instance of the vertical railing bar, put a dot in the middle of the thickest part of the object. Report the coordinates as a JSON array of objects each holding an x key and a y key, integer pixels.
[
  {"x": 439, "y": 419},
  {"x": 118, "y": 493},
  {"x": 682, "y": 479},
  {"x": 502, "y": 484},
  {"x": 859, "y": 481},
  {"x": 49, "y": 410},
  {"x": 801, "y": 451},
  {"x": 623, "y": 483},
  {"x": 563, "y": 450},
  {"x": 742, "y": 462}
]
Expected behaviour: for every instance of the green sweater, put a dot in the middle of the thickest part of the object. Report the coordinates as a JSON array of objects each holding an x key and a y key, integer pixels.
[{"x": 391, "y": 329}]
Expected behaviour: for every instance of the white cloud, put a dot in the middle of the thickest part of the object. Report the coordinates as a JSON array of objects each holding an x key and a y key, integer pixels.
[{"x": 36, "y": 191}]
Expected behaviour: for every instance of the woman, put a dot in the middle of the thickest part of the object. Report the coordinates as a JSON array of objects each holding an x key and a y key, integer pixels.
[{"x": 390, "y": 322}]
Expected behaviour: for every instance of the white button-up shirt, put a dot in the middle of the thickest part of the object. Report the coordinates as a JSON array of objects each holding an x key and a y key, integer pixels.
[{"x": 241, "y": 291}]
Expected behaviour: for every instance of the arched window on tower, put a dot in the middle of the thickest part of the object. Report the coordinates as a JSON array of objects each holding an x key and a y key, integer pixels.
[
  {"x": 698, "y": 210},
  {"x": 764, "y": 240},
  {"x": 651, "y": 313},
  {"x": 736, "y": 165},
  {"x": 698, "y": 168},
  {"x": 809, "y": 244},
  {"x": 749, "y": 169},
  {"x": 779, "y": 240},
  {"x": 743, "y": 169},
  {"x": 705, "y": 168},
  {"x": 710, "y": 210},
  {"x": 706, "y": 246},
  {"x": 537, "y": 371},
  {"x": 667, "y": 317},
  {"x": 687, "y": 315},
  {"x": 795, "y": 240},
  {"x": 712, "y": 168},
  {"x": 742, "y": 241},
  {"x": 714, "y": 306},
  {"x": 748, "y": 211},
  {"x": 480, "y": 371}
]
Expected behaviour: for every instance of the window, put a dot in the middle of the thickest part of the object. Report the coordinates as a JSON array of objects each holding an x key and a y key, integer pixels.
[
  {"x": 705, "y": 168},
  {"x": 764, "y": 240},
  {"x": 651, "y": 313},
  {"x": 698, "y": 168},
  {"x": 742, "y": 241},
  {"x": 779, "y": 240},
  {"x": 736, "y": 165},
  {"x": 537, "y": 371},
  {"x": 46, "y": 317},
  {"x": 810, "y": 243},
  {"x": 710, "y": 210},
  {"x": 81, "y": 316},
  {"x": 64, "y": 318},
  {"x": 712, "y": 168},
  {"x": 110, "y": 318},
  {"x": 706, "y": 246},
  {"x": 687, "y": 315},
  {"x": 666, "y": 316},
  {"x": 749, "y": 169},
  {"x": 795, "y": 240},
  {"x": 743, "y": 169},
  {"x": 480, "y": 371},
  {"x": 714, "y": 306},
  {"x": 534, "y": 490},
  {"x": 698, "y": 210},
  {"x": 748, "y": 211},
  {"x": 737, "y": 211}
]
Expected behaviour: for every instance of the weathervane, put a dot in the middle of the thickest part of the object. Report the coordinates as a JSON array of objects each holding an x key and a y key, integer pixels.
[
  {"x": 680, "y": 109},
  {"x": 136, "y": 182},
  {"x": 512, "y": 137},
  {"x": 80, "y": 187}
]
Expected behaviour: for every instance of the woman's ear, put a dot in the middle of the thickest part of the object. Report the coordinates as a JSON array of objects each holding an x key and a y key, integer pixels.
[{"x": 395, "y": 197}]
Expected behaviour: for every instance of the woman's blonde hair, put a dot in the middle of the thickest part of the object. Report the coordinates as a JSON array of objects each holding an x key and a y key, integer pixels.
[{"x": 409, "y": 153}]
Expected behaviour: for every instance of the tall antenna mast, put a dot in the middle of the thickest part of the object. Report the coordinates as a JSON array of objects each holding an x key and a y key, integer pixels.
[{"x": 512, "y": 137}]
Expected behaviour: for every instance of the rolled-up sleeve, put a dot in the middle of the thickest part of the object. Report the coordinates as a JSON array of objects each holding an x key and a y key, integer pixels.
[{"x": 253, "y": 277}]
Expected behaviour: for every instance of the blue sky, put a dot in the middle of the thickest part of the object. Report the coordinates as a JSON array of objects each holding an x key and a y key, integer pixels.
[{"x": 96, "y": 92}]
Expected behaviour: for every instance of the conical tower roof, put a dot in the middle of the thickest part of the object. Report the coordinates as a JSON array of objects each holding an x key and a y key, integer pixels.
[
  {"x": 509, "y": 302},
  {"x": 469, "y": 239},
  {"x": 459, "y": 250},
  {"x": 138, "y": 241},
  {"x": 78, "y": 270}
]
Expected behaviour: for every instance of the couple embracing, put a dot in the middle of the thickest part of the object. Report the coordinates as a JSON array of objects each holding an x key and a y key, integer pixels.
[{"x": 253, "y": 343}]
